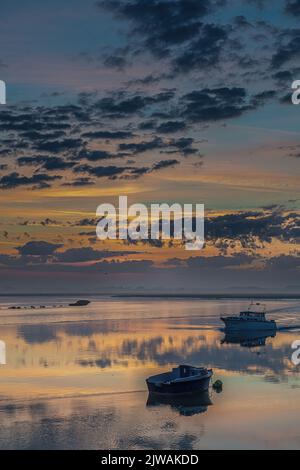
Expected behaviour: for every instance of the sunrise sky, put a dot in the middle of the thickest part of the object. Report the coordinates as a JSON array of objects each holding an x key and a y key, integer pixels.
[{"x": 162, "y": 101}]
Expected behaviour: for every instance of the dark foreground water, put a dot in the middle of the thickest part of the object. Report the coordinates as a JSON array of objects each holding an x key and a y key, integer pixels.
[{"x": 75, "y": 377}]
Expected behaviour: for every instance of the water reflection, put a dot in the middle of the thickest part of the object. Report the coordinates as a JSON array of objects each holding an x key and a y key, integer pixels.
[
  {"x": 248, "y": 339},
  {"x": 95, "y": 346},
  {"x": 185, "y": 405},
  {"x": 69, "y": 378},
  {"x": 37, "y": 334}
]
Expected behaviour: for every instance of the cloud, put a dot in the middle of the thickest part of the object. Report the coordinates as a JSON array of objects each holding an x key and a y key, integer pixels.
[
  {"x": 170, "y": 127},
  {"x": 46, "y": 162},
  {"x": 293, "y": 7},
  {"x": 97, "y": 155},
  {"x": 164, "y": 164},
  {"x": 128, "y": 172},
  {"x": 38, "y": 248},
  {"x": 219, "y": 262},
  {"x": 160, "y": 22},
  {"x": 259, "y": 3},
  {"x": 204, "y": 52},
  {"x": 120, "y": 106},
  {"x": 215, "y": 104},
  {"x": 184, "y": 145},
  {"x": 147, "y": 80},
  {"x": 78, "y": 182},
  {"x": 35, "y": 135},
  {"x": 245, "y": 226},
  {"x": 134, "y": 173},
  {"x": 86, "y": 222},
  {"x": 286, "y": 52},
  {"x": 4, "y": 152},
  {"x": 261, "y": 98},
  {"x": 34, "y": 120},
  {"x": 214, "y": 274},
  {"x": 148, "y": 125},
  {"x": 76, "y": 255},
  {"x": 40, "y": 180},
  {"x": 100, "y": 171},
  {"x": 242, "y": 22},
  {"x": 41, "y": 252},
  {"x": 173, "y": 30},
  {"x": 111, "y": 135},
  {"x": 117, "y": 62},
  {"x": 283, "y": 77},
  {"x": 141, "y": 147},
  {"x": 162, "y": 13},
  {"x": 124, "y": 266},
  {"x": 48, "y": 222},
  {"x": 56, "y": 146},
  {"x": 250, "y": 230}
]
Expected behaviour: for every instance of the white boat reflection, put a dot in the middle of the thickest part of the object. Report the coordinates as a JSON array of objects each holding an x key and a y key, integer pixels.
[{"x": 248, "y": 339}]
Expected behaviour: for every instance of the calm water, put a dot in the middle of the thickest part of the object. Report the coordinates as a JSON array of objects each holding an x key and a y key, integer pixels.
[{"x": 75, "y": 377}]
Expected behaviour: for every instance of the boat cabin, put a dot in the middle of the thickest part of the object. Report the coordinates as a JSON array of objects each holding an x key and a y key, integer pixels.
[
  {"x": 187, "y": 371},
  {"x": 182, "y": 372},
  {"x": 250, "y": 315}
]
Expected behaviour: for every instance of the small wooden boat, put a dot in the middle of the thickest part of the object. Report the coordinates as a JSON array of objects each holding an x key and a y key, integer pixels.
[
  {"x": 80, "y": 303},
  {"x": 181, "y": 380}
]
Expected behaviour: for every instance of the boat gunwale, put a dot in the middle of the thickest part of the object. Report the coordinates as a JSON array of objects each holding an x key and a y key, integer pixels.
[
  {"x": 158, "y": 379},
  {"x": 247, "y": 320}
]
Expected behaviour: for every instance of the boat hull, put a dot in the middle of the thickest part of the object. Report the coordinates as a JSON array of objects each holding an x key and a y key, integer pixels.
[
  {"x": 200, "y": 384},
  {"x": 239, "y": 324}
]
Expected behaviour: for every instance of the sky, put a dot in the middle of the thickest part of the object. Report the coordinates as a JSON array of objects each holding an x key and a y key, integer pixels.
[{"x": 185, "y": 101}]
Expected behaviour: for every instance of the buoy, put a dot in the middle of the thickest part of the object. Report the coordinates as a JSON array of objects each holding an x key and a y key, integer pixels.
[{"x": 218, "y": 386}]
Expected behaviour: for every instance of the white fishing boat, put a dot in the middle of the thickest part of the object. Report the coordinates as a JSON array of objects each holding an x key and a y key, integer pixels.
[{"x": 252, "y": 319}]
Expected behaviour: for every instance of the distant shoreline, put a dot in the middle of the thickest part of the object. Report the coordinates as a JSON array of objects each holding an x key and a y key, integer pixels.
[
  {"x": 266, "y": 296},
  {"x": 212, "y": 296}
]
